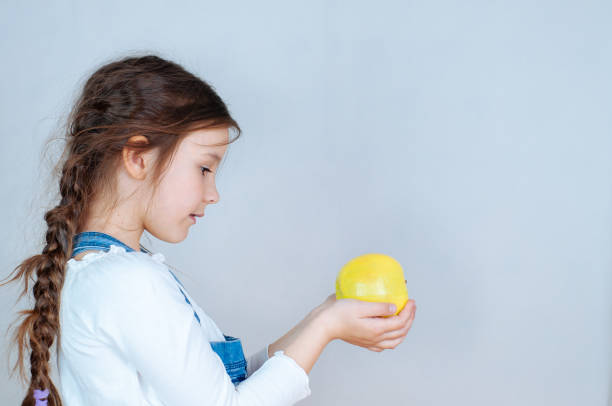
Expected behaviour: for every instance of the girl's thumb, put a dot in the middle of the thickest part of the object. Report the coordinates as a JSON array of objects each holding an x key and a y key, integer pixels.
[{"x": 379, "y": 309}]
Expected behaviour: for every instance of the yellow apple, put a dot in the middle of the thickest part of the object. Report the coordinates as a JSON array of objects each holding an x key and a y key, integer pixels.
[{"x": 373, "y": 278}]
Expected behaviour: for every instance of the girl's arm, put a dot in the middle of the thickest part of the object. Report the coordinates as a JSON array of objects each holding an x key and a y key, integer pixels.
[
  {"x": 304, "y": 342},
  {"x": 354, "y": 321}
]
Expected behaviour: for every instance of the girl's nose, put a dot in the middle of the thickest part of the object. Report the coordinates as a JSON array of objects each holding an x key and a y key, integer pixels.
[{"x": 212, "y": 195}]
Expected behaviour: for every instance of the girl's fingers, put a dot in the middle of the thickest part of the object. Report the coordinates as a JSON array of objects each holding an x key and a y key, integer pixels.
[
  {"x": 402, "y": 330},
  {"x": 410, "y": 305},
  {"x": 391, "y": 335},
  {"x": 384, "y": 325},
  {"x": 389, "y": 344},
  {"x": 408, "y": 309},
  {"x": 386, "y": 344}
]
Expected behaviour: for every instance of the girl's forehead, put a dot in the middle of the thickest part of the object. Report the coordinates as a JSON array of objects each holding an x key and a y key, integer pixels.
[{"x": 208, "y": 140}]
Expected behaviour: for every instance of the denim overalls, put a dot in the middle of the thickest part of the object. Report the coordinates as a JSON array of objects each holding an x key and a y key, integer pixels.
[{"x": 230, "y": 350}]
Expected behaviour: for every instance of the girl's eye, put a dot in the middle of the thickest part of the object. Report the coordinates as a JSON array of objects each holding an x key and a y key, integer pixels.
[{"x": 204, "y": 170}]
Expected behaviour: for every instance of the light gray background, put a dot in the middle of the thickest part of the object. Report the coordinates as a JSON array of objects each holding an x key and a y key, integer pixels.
[{"x": 470, "y": 140}]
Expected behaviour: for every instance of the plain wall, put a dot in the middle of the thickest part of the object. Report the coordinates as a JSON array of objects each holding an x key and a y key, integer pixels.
[{"x": 469, "y": 140}]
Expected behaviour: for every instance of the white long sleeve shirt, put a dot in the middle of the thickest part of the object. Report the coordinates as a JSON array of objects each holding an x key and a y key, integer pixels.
[{"x": 128, "y": 337}]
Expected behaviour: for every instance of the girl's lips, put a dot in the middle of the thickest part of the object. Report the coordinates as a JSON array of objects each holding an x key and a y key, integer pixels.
[
  {"x": 197, "y": 215},
  {"x": 193, "y": 216}
]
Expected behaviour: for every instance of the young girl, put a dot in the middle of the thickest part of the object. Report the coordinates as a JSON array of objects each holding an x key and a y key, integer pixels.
[{"x": 144, "y": 142}]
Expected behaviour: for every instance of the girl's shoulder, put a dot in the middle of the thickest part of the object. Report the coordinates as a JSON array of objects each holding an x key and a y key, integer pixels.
[{"x": 115, "y": 269}]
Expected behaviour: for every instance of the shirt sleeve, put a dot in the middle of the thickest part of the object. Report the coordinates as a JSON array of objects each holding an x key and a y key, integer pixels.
[{"x": 152, "y": 326}]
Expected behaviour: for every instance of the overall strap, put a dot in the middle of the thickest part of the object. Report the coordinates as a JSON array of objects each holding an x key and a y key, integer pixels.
[{"x": 95, "y": 240}]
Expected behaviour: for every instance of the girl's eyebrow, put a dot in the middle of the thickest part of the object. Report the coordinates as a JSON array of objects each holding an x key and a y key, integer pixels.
[{"x": 212, "y": 154}]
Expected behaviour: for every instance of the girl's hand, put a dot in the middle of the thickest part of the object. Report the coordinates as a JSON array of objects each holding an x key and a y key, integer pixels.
[{"x": 361, "y": 323}]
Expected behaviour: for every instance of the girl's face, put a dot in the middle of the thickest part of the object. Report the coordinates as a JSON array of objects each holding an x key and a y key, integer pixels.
[{"x": 187, "y": 186}]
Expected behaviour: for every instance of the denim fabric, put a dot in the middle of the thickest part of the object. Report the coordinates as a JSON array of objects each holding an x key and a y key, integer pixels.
[
  {"x": 229, "y": 350},
  {"x": 233, "y": 358}
]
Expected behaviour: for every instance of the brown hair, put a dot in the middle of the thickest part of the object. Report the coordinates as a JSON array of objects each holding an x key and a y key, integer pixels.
[{"x": 138, "y": 95}]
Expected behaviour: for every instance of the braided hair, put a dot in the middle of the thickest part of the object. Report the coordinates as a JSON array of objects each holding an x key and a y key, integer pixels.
[{"x": 138, "y": 95}]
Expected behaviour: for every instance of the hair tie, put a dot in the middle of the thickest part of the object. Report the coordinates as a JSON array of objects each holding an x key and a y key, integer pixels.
[{"x": 39, "y": 395}]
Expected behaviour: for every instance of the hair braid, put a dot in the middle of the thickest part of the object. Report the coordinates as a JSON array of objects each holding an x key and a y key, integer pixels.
[{"x": 43, "y": 320}]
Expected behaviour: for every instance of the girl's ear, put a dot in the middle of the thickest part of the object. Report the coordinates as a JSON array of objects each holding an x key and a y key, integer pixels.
[{"x": 136, "y": 163}]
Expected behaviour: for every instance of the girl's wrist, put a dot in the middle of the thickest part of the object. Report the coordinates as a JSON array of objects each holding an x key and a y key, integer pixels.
[{"x": 322, "y": 323}]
